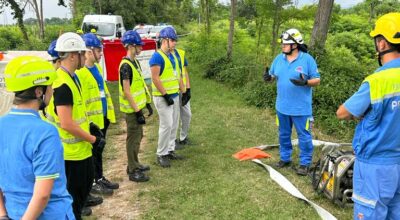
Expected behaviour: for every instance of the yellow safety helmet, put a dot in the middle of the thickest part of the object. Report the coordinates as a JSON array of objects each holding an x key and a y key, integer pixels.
[
  {"x": 25, "y": 72},
  {"x": 389, "y": 27}
]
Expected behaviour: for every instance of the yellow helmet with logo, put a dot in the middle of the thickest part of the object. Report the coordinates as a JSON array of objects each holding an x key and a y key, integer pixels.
[
  {"x": 389, "y": 27},
  {"x": 25, "y": 72}
]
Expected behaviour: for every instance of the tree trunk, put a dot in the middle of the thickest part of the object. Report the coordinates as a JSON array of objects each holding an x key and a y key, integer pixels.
[
  {"x": 19, "y": 15},
  {"x": 208, "y": 28},
  {"x": 231, "y": 29},
  {"x": 39, "y": 16},
  {"x": 259, "y": 26},
  {"x": 321, "y": 26},
  {"x": 275, "y": 25}
]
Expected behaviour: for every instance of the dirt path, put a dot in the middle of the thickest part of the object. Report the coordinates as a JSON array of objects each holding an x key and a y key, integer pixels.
[{"x": 124, "y": 203}]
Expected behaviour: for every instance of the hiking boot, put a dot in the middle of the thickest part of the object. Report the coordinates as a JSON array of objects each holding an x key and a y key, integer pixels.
[
  {"x": 144, "y": 168},
  {"x": 282, "y": 164},
  {"x": 302, "y": 170},
  {"x": 93, "y": 200},
  {"x": 178, "y": 146},
  {"x": 163, "y": 161},
  {"x": 184, "y": 141},
  {"x": 141, "y": 167},
  {"x": 173, "y": 156},
  {"x": 107, "y": 183},
  {"x": 138, "y": 176},
  {"x": 86, "y": 211},
  {"x": 100, "y": 188}
]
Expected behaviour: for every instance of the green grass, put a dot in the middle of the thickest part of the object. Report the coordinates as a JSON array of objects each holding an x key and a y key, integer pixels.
[{"x": 211, "y": 184}]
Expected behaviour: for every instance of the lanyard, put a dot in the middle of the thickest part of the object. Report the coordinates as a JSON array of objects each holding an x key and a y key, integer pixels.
[{"x": 74, "y": 77}]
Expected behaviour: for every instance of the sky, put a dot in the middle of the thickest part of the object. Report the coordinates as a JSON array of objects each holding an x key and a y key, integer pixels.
[{"x": 51, "y": 9}]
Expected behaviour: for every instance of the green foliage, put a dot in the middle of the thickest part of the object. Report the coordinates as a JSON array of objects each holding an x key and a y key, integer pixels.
[
  {"x": 11, "y": 37},
  {"x": 349, "y": 57}
]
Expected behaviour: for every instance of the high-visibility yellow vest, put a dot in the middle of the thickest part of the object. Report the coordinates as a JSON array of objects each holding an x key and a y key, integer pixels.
[
  {"x": 92, "y": 96},
  {"x": 138, "y": 89},
  {"x": 183, "y": 72},
  {"x": 74, "y": 147},
  {"x": 169, "y": 80}
]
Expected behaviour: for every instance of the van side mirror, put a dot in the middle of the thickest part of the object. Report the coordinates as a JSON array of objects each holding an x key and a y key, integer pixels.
[{"x": 118, "y": 34}]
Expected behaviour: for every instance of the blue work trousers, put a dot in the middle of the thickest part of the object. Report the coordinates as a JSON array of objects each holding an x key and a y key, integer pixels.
[
  {"x": 376, "y": 191},
  {"x": 303, "y": 126}
]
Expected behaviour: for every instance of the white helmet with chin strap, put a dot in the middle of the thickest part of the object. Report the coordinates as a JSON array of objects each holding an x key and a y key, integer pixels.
[
  {"x": 292, "y": 36},
  {"x": 70, "y": 42}
]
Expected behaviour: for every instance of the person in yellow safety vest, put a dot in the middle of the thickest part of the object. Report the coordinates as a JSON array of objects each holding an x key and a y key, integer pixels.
[
  {"x": 99, "y": 107},
  {"x": 55, "y": 59},
  {"x": 133, "y": 97},
  {"x": 185, "y": 110},
  {"x": 376, "y": 142},
  {"x": 166, "y": 84},
  {"x": 67, "y": 111},
  {"x": 32, "y": 170}
]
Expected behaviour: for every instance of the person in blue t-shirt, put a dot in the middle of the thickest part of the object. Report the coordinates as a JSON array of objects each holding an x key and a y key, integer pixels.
[
  {"x": 376, "y": 142},
  {"x": 295, "y": 72},
  {"x": 32, "y": 173},
  {"x": 166, "y": 85}
]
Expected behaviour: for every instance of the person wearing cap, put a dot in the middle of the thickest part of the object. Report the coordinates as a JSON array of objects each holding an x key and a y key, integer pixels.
[
  {"x": 32, "y": 170},
  {"x": 133, "y": 98},
  {"x": 295, "y": 72},
  {"x": 184, "y": 108},
  {"x": 67, "y": 110},
  {"x": 166, "y": 85},
  {"x": 376, "y": 142},
  {"x": 99, "y": 107}
]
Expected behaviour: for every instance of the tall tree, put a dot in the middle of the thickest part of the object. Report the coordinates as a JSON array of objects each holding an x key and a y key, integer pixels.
[
  {"x": 321, "y": 26},
  {"x": 205, "y": 8},
  {"x": 18, "y": 14},
  {"x": 38, "y": 8},
  {"x": 231, "y": 29}
]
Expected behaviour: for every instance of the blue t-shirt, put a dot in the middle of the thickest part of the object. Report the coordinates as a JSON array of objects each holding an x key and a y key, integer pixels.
[
  {"x": 157, "y": 60},
  {"x": 31, "y": 150},
  {"x": 376, "y": 139},
  {"x": 100, "y": 82},
  {"x": 291, "y": 99}
]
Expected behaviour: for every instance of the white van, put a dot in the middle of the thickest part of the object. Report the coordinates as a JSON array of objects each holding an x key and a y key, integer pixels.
[{"x": 107, "y": 26}]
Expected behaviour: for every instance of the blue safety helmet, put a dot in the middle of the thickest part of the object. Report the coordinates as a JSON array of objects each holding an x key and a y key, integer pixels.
[
  {"x": 132, "y": 37},
  {"x": 52, "y": 52},
  {"x": 168, "y": 33},
  {"x": 91, "y": 40}
]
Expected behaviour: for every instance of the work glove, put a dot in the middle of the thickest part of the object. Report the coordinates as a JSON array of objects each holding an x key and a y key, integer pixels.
[
  {"x": 95, "y": 130},
  {"x": 299, "y": 82},
  {"x": 150, "y": 109},
  {"x": 168, "y": 99},
  {"x": 184, "y": 99},
  {"x": 99, "y": 144},
  {"x": 140, "y": 117},
  {"x": 267, "y": 77},
  {"x": 189, "y": 95}
]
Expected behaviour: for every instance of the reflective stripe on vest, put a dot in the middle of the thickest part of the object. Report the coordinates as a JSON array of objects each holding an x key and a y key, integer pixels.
[
  {"x": 74, "y": 147},
  {"x": 138, "y": 90},
  {"x": 183, "y": 72},
  {"x": 168, "y": 79}
]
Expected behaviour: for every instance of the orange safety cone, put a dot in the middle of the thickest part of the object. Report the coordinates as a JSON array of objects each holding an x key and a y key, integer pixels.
[{"x": 251, "y": 153}]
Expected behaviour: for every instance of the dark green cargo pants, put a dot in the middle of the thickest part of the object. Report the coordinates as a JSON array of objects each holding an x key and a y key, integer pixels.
[{"x": 134, "y": 137}]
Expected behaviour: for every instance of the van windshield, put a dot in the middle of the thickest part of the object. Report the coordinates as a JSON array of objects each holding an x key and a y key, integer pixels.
[{"x": 102, "y": 29}]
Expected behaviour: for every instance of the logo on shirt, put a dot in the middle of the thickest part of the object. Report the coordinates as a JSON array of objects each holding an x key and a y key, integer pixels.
[
  {"x": 299, "y": 69},
  {"x": 395, "y": 104}
]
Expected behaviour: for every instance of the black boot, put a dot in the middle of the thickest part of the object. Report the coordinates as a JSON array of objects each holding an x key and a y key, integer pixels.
[
  {"x": 163, "y": 161},
  {"x": 138, "y": 176}
]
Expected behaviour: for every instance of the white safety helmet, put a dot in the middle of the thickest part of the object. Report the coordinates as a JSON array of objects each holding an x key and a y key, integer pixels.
[
  {"x": 70, "y": 42},
  {"x": 292, "y": 36}
]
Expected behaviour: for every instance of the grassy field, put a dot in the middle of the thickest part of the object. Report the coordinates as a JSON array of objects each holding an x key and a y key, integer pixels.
[{"x": 210, "y": 183}]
